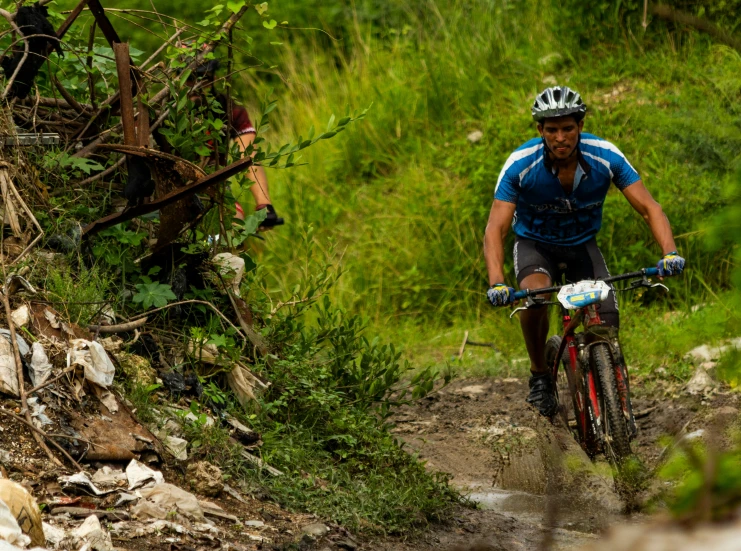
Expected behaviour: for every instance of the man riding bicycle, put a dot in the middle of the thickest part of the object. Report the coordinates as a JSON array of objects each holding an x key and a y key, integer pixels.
[{"x": 551, "y": 191}]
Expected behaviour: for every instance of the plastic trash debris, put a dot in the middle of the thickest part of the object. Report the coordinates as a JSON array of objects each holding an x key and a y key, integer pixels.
[
  {"x": 139, "y": 530},
  {"x": 139, "y": 474},
  {"x": 54, "y": 534},
  {"x": 212, "y": 510},
  {"x": 51, "y": 317},
  {"x": 40, "y": 369},
  {"x": 91, "y": 532},
  {"x": 164, "y": 499},
  {"x": 125, "y": 498},
  {"x": 8, "y": 373},
  {"x": 80, "y": 481},
  {"x": 23, "y": 507},
  {"x": 9, "y": 530},
  {"x": 23, "y": 347},
  {"x": 107, "y": 315},
  {"x": 14, "y": 282},
  {"x": 177, "y": 447},
  {"x": 107, "y": 398},
  {"x": 107, "y": 476},
  {"x": 234, "y": 493},
  {"x": 174, "y": 382},
  {"x": 231, "y": 268},
  {"x": 244, "y": 434},
  {"x": 37, "y": 413},
  {"x": 243, "y": 384},
  {"x": 93, "y": 358},
  {"x": 193, "y": 418},
  {"x": 21, "y": 316}
]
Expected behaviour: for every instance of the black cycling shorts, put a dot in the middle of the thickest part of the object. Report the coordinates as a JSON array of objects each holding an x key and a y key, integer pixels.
[{"x": 577, "y": 262}]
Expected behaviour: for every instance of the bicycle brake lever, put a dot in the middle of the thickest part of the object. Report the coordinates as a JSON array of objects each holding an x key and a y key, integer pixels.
[
  {"x": 517, "y": 310},
  {"x": 660, "y": 285}
]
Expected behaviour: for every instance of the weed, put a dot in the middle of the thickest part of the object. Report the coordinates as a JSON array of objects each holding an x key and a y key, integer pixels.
[{"x": 78, "y": 296}]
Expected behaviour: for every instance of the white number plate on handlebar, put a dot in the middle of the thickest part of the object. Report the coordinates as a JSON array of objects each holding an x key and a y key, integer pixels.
[{"x": 581, "y": 294}]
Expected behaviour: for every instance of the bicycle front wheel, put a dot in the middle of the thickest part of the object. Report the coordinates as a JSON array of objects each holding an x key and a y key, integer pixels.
[{"x": 615, "y": 425}]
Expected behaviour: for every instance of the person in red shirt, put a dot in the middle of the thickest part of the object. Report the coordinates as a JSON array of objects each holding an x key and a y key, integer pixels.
[{"x": 242, "y": 133}]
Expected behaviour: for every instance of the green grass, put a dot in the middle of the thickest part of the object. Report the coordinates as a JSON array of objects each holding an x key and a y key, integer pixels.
[
  {"x": 653, "y": 335},
  {"x": 405, "y": 196}
]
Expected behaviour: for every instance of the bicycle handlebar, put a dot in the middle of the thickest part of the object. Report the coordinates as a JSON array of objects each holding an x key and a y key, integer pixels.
[{"x": 524, "y": 293}]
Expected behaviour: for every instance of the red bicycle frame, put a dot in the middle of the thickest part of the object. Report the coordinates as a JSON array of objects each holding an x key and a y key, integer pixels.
[{"x": 589, "y": 404}]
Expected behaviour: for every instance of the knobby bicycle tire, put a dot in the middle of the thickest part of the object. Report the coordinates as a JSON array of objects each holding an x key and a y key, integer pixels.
[{"x": 617, "y": 441}]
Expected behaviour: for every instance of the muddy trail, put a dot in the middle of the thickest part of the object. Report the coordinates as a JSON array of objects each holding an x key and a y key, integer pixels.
[{"x": 526, "y": 475}]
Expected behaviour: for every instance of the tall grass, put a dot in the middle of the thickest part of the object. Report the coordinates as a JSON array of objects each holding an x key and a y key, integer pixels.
[{"x": 406, "y": 196}]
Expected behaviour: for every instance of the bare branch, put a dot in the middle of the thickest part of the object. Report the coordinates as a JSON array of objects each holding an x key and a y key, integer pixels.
[{"x": 11, "y": 21}]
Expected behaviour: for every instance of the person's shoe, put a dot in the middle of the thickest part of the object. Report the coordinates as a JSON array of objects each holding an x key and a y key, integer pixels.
[
  {"x": 271, "y": 219},
  {"x": 542, "y": 395}
]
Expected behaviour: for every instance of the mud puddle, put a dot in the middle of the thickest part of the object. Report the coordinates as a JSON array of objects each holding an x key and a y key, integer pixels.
[
  {"x": 530, "y": 508},
  {"x": 524, "y": 473}
]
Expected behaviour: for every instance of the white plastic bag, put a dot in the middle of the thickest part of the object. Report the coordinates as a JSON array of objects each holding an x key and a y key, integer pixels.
[
  {"x": 9, "y": 529},
  {"x": 40, "y": 366},
  {"x": 92, "y": 356},
  {"x": 139, "y": 474},
  {"x": 231, "y": 268},
  {"x": 8, "y": 374},
  {"x": 164, "y": 499}
]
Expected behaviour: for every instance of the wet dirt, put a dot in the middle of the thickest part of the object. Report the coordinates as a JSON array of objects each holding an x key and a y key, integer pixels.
[{"x": 526, "y": 474}]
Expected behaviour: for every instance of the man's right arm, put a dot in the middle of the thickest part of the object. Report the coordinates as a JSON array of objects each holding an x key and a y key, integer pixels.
[{"x": 500, "y": 219}]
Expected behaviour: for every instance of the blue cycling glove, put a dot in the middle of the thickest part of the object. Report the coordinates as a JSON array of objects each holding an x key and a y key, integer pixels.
[
  {"x": 672, "y": 264},
  {"x": 500, "y": 295}
]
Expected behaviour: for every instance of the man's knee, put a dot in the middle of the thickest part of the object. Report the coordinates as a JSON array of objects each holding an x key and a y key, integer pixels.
[{"x": 536, "y": 280}]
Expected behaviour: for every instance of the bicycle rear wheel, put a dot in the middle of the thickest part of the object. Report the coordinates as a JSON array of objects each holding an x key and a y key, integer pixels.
[{"x": 615, "y": 425}]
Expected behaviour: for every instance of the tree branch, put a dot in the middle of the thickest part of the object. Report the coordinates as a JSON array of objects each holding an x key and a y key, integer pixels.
[{"x": 683, "y": 18}]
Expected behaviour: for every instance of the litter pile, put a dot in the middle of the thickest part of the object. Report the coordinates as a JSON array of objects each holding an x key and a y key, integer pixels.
[
  {"x": 70, "y": 440},
  {"x": 100, "y": 473}
]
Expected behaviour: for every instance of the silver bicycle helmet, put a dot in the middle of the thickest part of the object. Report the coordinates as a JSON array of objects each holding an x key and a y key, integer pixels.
[{"x": 558, "y": 101}]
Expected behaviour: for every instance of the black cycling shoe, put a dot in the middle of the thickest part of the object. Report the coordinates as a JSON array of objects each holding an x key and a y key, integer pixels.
[
  {"x": 542, "y": 395},
  {"x": 271, "y": 219}
]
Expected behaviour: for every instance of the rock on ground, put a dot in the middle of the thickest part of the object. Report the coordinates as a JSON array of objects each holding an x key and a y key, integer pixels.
[{"x": 205, "y": 478}]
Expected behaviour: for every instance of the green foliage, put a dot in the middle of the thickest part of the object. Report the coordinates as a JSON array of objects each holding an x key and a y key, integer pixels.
[
  {"x": 77, "y": 296},
  {"x": 595, "y": 22},
  {"x": 699, "y": 491},
  {"x": 410, "y": 195},
  {"x": 69, "y": 165},
  {"x": 322, "y": 417},
  {"x": 153, "y": 294}
]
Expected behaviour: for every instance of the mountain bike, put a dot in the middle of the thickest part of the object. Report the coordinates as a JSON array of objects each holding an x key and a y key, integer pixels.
[{"x": 596, "y": 377}]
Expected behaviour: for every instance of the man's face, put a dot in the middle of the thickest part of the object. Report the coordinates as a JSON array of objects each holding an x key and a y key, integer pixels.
[{"x": 561, "y": 135}]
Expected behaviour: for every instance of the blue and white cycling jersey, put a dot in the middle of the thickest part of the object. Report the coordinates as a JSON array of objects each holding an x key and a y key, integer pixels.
[{"x": 545, "y": 212}]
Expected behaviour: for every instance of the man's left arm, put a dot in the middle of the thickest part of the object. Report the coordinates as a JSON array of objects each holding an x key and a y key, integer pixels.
[
  {"x": 256, "y": 173},
  {"x": 641, "y": 200}
]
